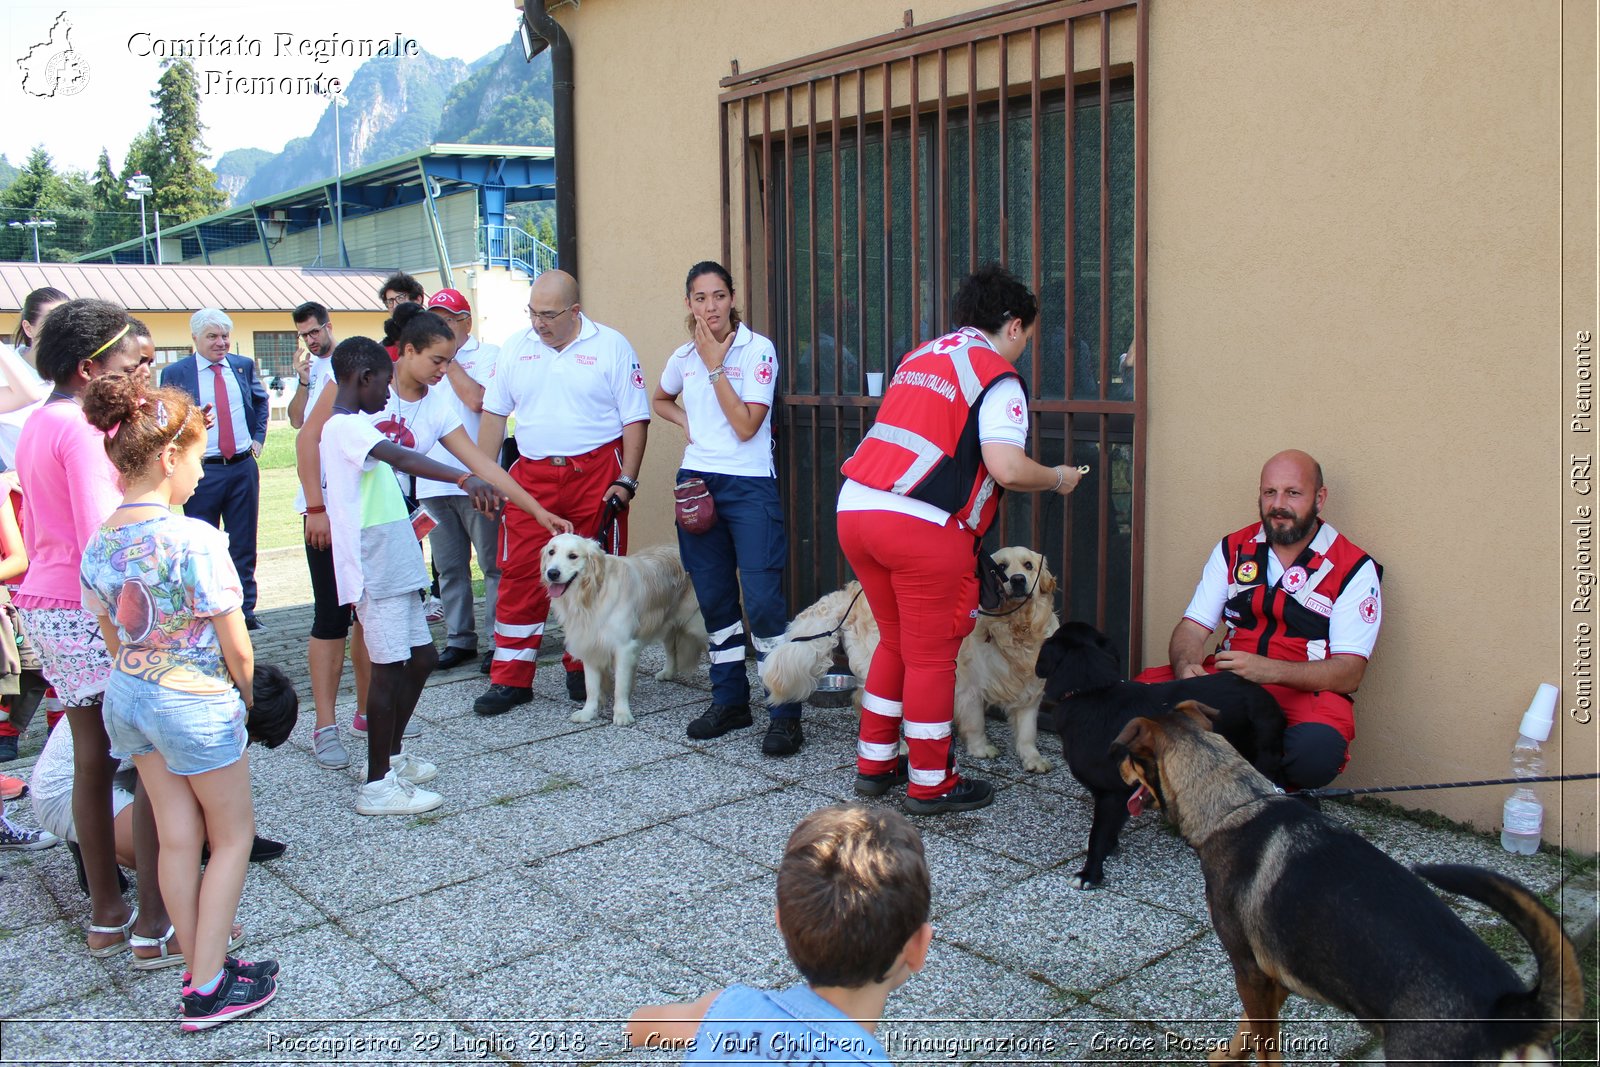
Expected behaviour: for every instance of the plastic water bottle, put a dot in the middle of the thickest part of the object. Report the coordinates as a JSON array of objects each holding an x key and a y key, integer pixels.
[{"x": 1522, "y": 819}]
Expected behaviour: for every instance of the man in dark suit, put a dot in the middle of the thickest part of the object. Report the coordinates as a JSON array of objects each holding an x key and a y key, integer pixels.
[{"x": 229, "y": 493}]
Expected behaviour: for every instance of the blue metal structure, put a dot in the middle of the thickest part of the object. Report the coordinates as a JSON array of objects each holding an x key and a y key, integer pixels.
[{"x": 499, "y": 176}]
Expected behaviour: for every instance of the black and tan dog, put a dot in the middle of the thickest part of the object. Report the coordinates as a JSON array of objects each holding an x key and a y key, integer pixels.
[
  {"x": 1091, "y": 702},
  {"x": 1305, "y": 906}
]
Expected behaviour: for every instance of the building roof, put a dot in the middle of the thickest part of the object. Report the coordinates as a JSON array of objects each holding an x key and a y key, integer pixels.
[
  {"x": 515, "y": 173},
  {"x": 185, "y": 288}
]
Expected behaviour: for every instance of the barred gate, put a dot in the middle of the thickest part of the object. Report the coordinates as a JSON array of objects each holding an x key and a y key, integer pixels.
[{"x": 860, "y": 185}]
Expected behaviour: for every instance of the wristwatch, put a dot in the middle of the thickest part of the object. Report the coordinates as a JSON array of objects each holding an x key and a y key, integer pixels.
[{"x": 630, "y": 484}]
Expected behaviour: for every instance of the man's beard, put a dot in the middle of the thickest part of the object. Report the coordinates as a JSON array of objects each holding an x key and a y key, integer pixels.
[{"x": 1295, "y": 533}]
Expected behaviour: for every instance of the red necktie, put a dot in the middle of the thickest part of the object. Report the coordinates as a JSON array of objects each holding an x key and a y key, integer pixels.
[{"x": 224, "y": 412}]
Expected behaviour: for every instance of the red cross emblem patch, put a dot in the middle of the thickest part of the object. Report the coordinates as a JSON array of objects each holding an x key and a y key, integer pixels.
[{"x": 764, "y": 374}]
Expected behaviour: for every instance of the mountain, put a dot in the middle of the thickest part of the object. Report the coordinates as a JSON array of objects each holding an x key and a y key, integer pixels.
[
  {"x": 395, "y": 104},
  {"x": 504, "y": 100},
  {"x": 235, "y": 168}
]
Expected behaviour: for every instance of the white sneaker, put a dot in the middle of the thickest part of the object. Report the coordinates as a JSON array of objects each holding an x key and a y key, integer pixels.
[
  {"x": 414, "y": 770},
  {"x": 391, "y": 795},
  {"x": 433, "y": 609}
]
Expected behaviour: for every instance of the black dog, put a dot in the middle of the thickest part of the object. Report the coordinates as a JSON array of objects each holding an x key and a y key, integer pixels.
[{"x": 1093, "y": 702}]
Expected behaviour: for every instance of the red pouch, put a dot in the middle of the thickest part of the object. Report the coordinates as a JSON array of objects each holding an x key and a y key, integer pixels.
[{"x": 695, "y": 511}]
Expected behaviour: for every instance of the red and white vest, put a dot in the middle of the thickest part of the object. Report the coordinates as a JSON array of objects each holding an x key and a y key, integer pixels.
[
  {"x": 924, "y": 443},
  {"x": 1287, "y": 620}
]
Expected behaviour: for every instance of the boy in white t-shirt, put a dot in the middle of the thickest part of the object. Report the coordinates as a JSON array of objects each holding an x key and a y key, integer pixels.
[{"x": 378, "y": 565}]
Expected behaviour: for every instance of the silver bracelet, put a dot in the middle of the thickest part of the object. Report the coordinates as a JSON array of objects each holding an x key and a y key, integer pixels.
[{"x": 1061, "y": 479}]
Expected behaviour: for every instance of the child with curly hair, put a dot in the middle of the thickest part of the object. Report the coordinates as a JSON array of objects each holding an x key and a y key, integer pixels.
[{"x": 168, "y": 601}]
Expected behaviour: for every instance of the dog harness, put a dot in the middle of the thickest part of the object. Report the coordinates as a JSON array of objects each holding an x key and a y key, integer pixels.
[{"x": 924, "y": 443}]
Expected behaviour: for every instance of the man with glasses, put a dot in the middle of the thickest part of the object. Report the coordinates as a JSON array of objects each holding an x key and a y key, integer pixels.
[
  {"x": 398, "y": 288},
  {"x": 461, "y": 527},
  {"x": 315, "y": 330},
  {"x": 582, "y": 414}
]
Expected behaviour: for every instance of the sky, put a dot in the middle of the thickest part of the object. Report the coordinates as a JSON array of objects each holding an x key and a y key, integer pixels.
[{"x": 104, "y": 98}]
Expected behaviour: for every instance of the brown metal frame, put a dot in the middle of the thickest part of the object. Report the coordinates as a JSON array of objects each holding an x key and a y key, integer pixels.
[{"x": 921, "y": 55}]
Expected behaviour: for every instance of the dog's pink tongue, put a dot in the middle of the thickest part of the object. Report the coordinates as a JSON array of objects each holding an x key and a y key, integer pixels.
[
  {"x": 557, "y": 589},
  {"x": 1136, "y": 801}
]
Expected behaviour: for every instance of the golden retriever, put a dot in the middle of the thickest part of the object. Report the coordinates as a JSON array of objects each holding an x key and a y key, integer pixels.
[
  {"x": 609, "y": 607},
  {"x": 993, "y": 668}
]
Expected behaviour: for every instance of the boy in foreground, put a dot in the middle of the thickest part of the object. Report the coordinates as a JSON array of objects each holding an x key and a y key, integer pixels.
[
  {"x": 853, "y": 894},
  {"x": 377, "y": 561}
]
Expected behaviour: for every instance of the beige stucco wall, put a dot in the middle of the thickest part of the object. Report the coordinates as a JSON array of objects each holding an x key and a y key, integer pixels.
[{"x": 1356, "y": 226}]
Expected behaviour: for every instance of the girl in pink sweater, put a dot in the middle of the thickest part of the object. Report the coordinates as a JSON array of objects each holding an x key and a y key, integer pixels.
[{"x": 69, "y": 487}]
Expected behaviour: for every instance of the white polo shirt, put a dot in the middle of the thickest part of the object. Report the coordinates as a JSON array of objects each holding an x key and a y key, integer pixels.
[
  {"x": 751, "y": 367},
  {"x": 569, "y": 402},
  {"x": 478, "y": 360}
]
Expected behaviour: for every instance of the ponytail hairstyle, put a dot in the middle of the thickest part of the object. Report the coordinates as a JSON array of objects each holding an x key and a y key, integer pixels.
[
  {"x": 418, "y": 327},
  {"x": 33, "y": 311},
  {"x": 76, "y": 331},
  {"x": 140, "y": 421},
  {"x": 710, "y": 266}
]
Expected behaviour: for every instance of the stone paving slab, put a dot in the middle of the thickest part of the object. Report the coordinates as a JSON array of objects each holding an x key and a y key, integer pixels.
[{"x": 576, "y": 871}]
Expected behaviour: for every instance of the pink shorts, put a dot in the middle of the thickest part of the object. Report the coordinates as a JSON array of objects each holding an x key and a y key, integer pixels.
[{"x": 72, "y": 653}]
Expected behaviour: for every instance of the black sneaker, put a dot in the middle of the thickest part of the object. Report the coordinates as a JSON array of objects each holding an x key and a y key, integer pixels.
[
  {"x": 262, "y": 849},
  {"x": 968, "y": 795},
  {"x": 499, "y": 699},
  {"x": 453, "y": 657},
  {"x": 252, "y": 970},
  {"x": 875, "y": 785},
  {"x": 783, "y": 737},
  {"x": 718, "y": 719},
  {"x": 83, "y": 875},
  {"x": 576, "y": 689},
  {"x": 234, "y": 996}
]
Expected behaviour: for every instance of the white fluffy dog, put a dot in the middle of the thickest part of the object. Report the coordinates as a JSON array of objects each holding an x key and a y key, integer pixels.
[
  {"x": 610, "y": 607},
  {"x": 994, "y": 666}
]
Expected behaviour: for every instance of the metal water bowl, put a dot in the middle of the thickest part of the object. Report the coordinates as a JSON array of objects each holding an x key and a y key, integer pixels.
[{"x": 834, "y": 690}]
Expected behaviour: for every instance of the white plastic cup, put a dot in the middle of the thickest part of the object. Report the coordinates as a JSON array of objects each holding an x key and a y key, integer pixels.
[{"x": 874, "y": 383}]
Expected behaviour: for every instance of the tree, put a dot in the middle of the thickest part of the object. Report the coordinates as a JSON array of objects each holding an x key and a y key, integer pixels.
[
  {"x": 184, "y": 188},
  {"x": 111, "y": 216},
  {"x": 40, "y": 193}
]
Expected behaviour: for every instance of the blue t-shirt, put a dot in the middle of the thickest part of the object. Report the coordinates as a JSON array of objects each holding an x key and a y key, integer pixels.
[{"x": 746, "y": 1025}]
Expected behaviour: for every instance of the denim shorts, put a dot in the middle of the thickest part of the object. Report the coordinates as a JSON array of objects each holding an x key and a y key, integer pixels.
[{"x": 194, "y": 732}]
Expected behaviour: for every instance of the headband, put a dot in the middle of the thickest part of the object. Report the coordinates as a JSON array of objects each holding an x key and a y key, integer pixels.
[{"x": 119, "y": 335}]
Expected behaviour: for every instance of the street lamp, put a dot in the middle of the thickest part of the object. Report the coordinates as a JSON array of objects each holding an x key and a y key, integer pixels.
[
  {"x": 138, "y": 189},
  {"x": 35, "y": 225},
  {"x": 339, "y": 102}
]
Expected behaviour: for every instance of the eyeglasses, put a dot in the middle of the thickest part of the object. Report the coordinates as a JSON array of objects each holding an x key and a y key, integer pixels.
[
  {"x": 306, "y": 335},
  {"x": 547, "y": 317},
  {"x": 394, "y": 300}
]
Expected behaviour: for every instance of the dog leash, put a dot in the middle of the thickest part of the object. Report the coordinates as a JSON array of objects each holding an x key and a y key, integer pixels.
[
  {"x": 1323, "y": 794},
  {"x": 836, "y": 629},
  {"x": 1021, "y": 603},
  {"x": 607, "y": 517}
]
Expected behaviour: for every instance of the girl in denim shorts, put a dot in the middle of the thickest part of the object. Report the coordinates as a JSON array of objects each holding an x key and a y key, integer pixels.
[{"x": 168, "y": 598}]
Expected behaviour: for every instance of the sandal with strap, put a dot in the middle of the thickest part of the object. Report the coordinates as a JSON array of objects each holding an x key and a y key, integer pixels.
[
  {"x": 170, "y": 957},
  {"x": 116, "y": 947}
]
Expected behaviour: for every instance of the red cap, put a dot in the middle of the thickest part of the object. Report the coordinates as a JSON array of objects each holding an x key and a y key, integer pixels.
[{"x": 450, "y": 300}]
